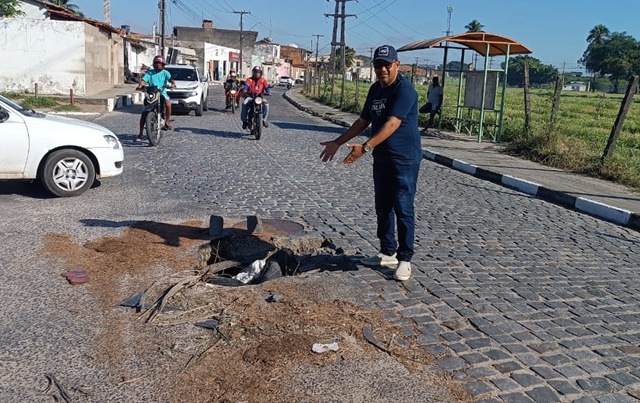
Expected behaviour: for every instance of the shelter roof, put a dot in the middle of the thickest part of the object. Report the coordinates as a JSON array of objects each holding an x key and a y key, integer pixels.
[{"x": 476, "y": 41}]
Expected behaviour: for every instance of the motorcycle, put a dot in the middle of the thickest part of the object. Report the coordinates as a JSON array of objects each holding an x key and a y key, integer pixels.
[
  {"x": 254, "y": 116},
  {"x": 232, "y": 97},
  {"x": 154, "y": 108}
]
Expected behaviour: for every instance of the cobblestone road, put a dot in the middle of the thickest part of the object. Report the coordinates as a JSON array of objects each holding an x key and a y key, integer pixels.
[{"x": 521, "y": 299}]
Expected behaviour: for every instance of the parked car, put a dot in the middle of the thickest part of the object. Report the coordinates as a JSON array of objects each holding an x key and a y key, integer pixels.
[
  {"x": 300, "y": 80},
  {"x": 191, "y": 89},
  {"x": 65, "y": 154},
  {"x": 285, "y": 81}
]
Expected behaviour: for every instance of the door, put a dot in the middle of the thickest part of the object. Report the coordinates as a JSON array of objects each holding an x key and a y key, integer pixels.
[{"x": 14, "y": 145}]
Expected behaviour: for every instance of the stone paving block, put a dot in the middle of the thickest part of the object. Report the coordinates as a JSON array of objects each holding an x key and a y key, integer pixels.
[
  {"x": 594, "y": 367},
  {"x": 482, "y": 372},
  {"x": 506, "y": 385},
  {"x": 585, "y": 399},
  {"x": 459, "y": 347},
  {"x": 570, "y": 371},
  {"x": 426, "y": 339},
  {"x": 507, "y": 367},
  {"x": 452, "y": 363},
  {"x": 596, "y": 384},
  {"x": 617, "y": 398},
  {"x": 497, "y": 355},
  {"x": 479, "y": 343},
  {"x": 516, "y": 398},
  {"x": 546, "y": 372},
  {"x": 564, "y": 387},
  {"x": 623, "y": 379},
  {"x": 474, "y": 358},
  {"x": 543, "y": 394},
  {"x": 582, "y": 355},
  {"x": 556, "y": 359},
  {"x": 544, "y": 348},
  {"x": 617, "y": 365},
  {"x": 526, "y": 380},
  {"x": 478, "y": 388},
  {"x": 438, "y": 350}
]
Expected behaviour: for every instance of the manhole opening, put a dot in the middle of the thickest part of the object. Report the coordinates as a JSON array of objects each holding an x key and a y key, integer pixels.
[{"x": 239, "y": 258}]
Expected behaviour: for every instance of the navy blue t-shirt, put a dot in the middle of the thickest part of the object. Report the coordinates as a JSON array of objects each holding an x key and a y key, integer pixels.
[{"x": 399, "y": 99}]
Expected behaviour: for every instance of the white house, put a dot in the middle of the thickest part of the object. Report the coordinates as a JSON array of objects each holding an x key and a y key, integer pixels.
[
  {"x": 267, "y": 54},
  {"x": 59, "y": 51},
  {"x": 576, "y": 86},
  {"x": 219, "y": 60}
]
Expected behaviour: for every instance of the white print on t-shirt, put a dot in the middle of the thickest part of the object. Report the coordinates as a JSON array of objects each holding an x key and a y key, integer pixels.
[{"x": 378, "y": 106}]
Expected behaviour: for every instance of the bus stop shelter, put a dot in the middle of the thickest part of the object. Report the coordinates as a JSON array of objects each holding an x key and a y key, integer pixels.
[{"x": 481, "y": 87}]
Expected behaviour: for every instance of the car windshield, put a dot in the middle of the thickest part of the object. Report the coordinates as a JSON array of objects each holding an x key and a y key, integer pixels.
[
  {"x": 179, "y": 74},
  {"x": 15, "y": 106},
  {"x": 285, "y": 77}
]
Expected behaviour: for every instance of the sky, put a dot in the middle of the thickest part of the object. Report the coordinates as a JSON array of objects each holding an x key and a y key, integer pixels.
[{"x": 555, "y": 30}]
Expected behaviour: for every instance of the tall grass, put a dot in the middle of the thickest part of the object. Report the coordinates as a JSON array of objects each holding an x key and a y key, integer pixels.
[{"x": 583, "y": 125}]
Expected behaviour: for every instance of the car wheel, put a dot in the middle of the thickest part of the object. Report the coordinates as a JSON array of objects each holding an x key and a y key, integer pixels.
[
  {"x": 68, "y": 173},
  {"x": 199, "y": 108},
  {"x": 205, "y": 105}
]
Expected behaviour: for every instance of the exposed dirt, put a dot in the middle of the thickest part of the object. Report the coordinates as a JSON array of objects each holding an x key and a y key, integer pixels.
[{"x": 260, "y": 351}]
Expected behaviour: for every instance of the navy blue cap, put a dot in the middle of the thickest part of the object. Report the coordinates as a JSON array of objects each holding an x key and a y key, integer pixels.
[{"x": 385, "y": 53}]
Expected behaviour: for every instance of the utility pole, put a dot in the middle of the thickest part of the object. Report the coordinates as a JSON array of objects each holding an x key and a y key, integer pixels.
[
  {"x": 107, "y": 11},
  {"x": 332, "y": 60},
  {"x": 317, "y": 66},
  {"x": 163, "y": 9},
  {"x": 242, "y": 13},
  {"x": 449, "y": 12}
]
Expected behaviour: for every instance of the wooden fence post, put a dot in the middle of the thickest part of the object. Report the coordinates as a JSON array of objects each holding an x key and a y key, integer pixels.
[
  {"x": 622, "y": 115},
  {"x": 357, "y": 76},
  {"x": 554, "y": 108},
  {"x": 527, "y": 101},
  {"x": 35, "y": 92}
]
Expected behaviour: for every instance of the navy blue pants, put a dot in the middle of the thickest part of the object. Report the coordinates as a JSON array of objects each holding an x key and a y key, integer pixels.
[{"x": 395, "y": 191}]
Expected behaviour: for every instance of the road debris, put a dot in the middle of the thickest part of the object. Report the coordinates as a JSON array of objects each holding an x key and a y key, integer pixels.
[
  {"x": 323, "y": 348},
  {"x": 77, "y": 276}
]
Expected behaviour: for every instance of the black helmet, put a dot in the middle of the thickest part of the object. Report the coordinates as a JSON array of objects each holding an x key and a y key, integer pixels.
[{"x": 257, "y": 69}]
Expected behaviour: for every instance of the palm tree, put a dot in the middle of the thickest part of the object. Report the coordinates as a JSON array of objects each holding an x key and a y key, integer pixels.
[
  {"x": 10, "y": 8},
  {"x": 598, "y": 34},
  {"x": 69, "y": 6},
  {"x": 474, "y": 26}
]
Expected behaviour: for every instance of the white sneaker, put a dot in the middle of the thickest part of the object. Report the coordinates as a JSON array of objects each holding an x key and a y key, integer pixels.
[
  {"x": 380, "y": 260},
  {"x": 403, "y": 271}
]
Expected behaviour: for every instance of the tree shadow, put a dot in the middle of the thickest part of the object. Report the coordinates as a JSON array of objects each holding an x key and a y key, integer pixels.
[
  {"x": 170, "y": 233},
  {"x": 209, "y": 132},
  {"x": 308, "y": 127}
]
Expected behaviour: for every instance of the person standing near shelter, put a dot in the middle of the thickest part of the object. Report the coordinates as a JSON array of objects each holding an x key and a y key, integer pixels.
[
  {"x": 392, "y": 110},
  {"x": 435, "y": 95}
]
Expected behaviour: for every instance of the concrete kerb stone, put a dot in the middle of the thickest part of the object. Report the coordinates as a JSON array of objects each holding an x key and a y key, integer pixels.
[{"x": 596, "y": 209}]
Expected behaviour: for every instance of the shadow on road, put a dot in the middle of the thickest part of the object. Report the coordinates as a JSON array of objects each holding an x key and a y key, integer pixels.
[
  {"x": 308, "y": 127},
  {"x": 30, "y": 188},
  {"x": 170, "y": 233}
]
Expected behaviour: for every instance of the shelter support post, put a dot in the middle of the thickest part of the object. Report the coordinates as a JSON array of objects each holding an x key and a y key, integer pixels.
[
  {"x": 504, "y": 93},
  {"x": 444, "y": 74},
  {"x": 458, "y": 124},
  {"x": 484, "y": 92}
]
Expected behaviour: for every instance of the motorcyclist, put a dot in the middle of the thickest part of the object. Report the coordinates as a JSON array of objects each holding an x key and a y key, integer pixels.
[
  {"x": 255, "y": 85},
  {"x": 232, "y": 82},
  {"x": 161, "y": 78}
]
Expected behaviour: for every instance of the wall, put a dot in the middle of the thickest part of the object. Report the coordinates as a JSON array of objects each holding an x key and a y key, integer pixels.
[
  {"x": 213, "y": 53},
  {"x": 139, "y": 55},
  {"x": 104, "y": 59},
  {"x": 50, "y": 53}
]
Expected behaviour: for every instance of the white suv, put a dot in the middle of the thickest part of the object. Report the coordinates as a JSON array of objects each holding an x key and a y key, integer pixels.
[
  {"x": 286, "y": 81},
  {"x": 191, "y": 88}
]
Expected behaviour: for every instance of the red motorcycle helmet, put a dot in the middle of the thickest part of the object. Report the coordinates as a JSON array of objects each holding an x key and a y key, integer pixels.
[{"x": 159, "y": 59}]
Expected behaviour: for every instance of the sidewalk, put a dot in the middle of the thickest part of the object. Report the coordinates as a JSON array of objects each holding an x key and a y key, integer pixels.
[
  {"x": 117, "y": 97},
  {"x": 599, "y": 198}
]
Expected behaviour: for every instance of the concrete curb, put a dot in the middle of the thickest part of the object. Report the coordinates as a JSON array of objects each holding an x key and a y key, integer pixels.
[
  {"x": 594, "y": 208},
  {"x": 121, "y": 101}
]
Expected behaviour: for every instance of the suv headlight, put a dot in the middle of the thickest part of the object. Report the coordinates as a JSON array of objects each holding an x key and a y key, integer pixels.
[{"x": 112, "y": 141}]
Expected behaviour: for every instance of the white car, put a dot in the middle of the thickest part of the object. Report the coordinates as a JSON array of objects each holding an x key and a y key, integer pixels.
[
  {"x": 286, "y": 81},
  {"x": 67, "y": 155},
  {"x": 191, "y": 89}
]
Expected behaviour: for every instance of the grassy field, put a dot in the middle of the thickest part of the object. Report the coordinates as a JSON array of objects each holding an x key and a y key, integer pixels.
[{"x": 583, "y": 125}]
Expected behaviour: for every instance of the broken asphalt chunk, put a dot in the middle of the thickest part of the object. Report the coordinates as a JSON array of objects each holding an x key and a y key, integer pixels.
[
  {"x": 77, "y": 276},
  {"x": 208, "y": 324}
]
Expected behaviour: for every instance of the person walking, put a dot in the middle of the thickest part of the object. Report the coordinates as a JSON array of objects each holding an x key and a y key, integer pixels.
[
  {"x": 435, "y": 95},
  {"x": 392, "y": 110}
]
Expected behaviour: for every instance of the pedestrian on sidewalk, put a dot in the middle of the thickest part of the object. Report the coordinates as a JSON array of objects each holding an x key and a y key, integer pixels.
[
  {"x": 435, "y": 95},
  {"x": 392, "y": 110}
]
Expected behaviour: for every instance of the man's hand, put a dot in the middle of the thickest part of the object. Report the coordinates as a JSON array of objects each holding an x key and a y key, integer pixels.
[
  {"x": 330, "y": 149},
  {"x": 357, "y": 151}
]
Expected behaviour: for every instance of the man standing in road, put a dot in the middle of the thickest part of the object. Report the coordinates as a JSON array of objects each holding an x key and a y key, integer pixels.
[
  {"x": 392, "y": 110},
  {"x": 435, "y": 96}
]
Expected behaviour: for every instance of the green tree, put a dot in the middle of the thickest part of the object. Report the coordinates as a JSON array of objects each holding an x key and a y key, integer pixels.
[
  {"x": 616, "y": 56},
  {"x": 598, "y": 34},
  {"x": 68, "y": 5},
  {"x": 349, "y": 54},
  {"x": 539, "y": 73},
  {"x": 9, "y": 8},
  {"x": 474, "y": 26}
]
